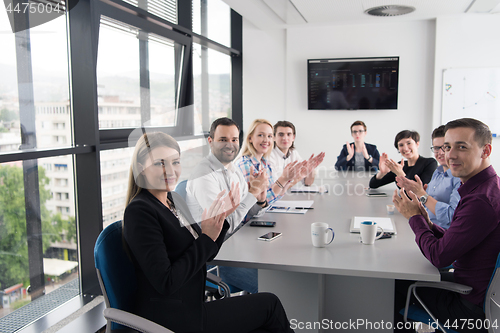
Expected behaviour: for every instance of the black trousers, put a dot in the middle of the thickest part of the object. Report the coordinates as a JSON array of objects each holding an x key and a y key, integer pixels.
[
  {"x": 255, "y": 313},
  {"x": 447, "y": 306}
]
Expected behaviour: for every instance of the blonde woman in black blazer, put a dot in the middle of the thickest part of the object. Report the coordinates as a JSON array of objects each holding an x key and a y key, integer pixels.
[{"x": 169, "y": 251}]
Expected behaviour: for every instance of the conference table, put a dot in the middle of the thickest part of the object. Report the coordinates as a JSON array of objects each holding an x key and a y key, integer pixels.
[{"x": 346, "y": 285}]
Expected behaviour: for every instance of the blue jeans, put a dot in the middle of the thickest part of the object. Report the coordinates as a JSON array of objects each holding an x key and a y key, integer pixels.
[{"x": 239, "y": 277}]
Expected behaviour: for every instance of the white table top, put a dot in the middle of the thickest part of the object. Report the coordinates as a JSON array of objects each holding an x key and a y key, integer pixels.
[{"x": 396, "y": 258}]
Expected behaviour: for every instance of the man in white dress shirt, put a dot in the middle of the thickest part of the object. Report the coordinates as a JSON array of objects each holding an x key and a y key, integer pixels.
[
  {"x": 217, "y": 172},
  {"x": 284, "y": 152}
]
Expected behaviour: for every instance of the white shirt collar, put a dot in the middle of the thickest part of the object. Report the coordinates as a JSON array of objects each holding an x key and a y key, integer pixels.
[
  {"x": 281, "y": 154},
  {"x": 217, "y": 165}
]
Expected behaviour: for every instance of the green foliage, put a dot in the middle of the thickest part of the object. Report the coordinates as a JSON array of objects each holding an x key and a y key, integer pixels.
[
  {"x": 67, "y": 226},
  {"x": 14, "y": 263},
  {"x": 13, "y": 246},
  {"x": 19, "y": 304},
  {"x": 7, "y": 115}
]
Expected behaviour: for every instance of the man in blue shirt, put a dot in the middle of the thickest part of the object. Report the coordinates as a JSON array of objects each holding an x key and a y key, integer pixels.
[{"x": 440, "y": 197}]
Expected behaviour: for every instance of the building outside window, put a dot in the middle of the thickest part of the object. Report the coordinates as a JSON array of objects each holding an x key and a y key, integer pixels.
[{"x": 50, "y": 134}]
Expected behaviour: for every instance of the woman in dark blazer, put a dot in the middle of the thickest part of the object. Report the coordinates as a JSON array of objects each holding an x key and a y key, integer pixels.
[
  {"x": 358, "y": 155},
  {"x": 169, "y": 251}
]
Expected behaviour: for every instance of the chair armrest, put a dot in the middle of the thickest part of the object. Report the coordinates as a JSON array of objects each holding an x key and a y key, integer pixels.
[
  {"x": 133, "y": 321},
  {"x": 213, "y": 278},
  {"x": 221, "y": 284},
  {"x": 446, "y": 285}
]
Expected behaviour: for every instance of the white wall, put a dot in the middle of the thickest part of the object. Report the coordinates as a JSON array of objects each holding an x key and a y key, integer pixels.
[
  {"x": 413, "y": 42},
  {"x": 264, "y": 94},
  {"x": 264, "y": 81},
  {"x": 466, "y": 41}
]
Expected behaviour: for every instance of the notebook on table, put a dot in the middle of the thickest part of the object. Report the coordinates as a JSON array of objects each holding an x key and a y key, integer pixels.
[{"x": 385, "y": 223}]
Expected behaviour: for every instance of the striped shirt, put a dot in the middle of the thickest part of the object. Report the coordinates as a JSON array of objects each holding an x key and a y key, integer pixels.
[{"x": 246, "y": 161}]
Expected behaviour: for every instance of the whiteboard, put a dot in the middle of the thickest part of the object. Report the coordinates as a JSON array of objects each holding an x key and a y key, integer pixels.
[{"x": 472, "y": 93}]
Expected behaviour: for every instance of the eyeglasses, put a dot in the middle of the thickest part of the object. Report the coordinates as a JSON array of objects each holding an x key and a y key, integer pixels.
[
  {"x": 356, "y": 132},
  {"x": 436, "y": 149}
]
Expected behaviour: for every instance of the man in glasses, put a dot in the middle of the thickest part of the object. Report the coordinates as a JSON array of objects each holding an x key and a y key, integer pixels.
[{"x": 440, "y": 197}]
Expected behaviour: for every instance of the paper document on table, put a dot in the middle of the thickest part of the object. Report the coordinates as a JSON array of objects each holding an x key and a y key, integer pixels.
[
  {"x": 290, "y": 207},
  {"x": 385, "y": 223},
  {"x": 301, "y": 188}
]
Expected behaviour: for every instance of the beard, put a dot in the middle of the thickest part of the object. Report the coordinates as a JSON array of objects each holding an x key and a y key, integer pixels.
[{"x": 223, "y": 154}]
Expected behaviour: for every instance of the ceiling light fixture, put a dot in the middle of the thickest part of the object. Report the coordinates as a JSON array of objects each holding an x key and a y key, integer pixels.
[{"x": 390, "y": 10}]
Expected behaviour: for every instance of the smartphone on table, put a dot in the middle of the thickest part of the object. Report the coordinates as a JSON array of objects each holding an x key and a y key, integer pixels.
[
  {"x": 262, "y": 224},
  {"x": 270, "y": 236}
]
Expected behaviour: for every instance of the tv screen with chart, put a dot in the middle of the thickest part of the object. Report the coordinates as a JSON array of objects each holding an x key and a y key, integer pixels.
[{"x": 353, "y": 83}]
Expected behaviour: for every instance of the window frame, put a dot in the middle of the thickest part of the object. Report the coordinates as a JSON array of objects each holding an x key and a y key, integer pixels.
[{"x": 83, "y": 33}]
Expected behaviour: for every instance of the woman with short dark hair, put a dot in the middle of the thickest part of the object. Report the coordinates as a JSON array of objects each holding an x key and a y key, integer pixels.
[
  {"x": 406, "y": 142},
  {"x": 358, "y": 155}
]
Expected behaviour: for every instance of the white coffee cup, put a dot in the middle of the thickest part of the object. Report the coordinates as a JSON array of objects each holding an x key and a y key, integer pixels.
[
  {"x": 319, "y": 234},
  {"x": 368, "y": 231}
]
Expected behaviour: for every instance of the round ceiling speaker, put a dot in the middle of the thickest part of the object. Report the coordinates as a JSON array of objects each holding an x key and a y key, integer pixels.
[{"x": 390, "y": 10}]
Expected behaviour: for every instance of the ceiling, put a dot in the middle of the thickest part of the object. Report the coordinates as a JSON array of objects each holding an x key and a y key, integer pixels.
[{"x": 268, "y": 14}]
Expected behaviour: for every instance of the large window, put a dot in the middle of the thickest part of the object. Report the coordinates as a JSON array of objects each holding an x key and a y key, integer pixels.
[
  {"x": 34, "y": 263},
  {"x": 115, "y": 167},
  {"x": 212, "y": 19},
  {"x": 35, "y": 111},
  {"x": 212, "y": 86},
  {"x": 69, "y": 100},
  {"x": 38, "y": 246},
  {"x": 138, "y": 89}
]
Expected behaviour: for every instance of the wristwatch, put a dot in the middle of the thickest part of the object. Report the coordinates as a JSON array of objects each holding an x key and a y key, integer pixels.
[
  {"x": 423, "y": 199},
  {"x": 370, "y": 158}
]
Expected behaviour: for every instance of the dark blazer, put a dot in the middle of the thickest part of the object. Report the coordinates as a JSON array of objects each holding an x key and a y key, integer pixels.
[
  {"x": 343, "y": 164},
  {"x": 424, "y": 168},
  {"x": 169, "y": 262}
]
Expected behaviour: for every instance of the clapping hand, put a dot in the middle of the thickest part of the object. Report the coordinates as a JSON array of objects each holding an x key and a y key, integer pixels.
[
  {"x": 350, "y": 150},
  {"x": 384, "y": 169},
  {"x": 232, "y": 200},
  {"x": 212, "y": 218},
  {"x": 364, "y": 151},
  {"x": 396, "y": 168},
  {"x": 410, "y": 207},
  {"x": 257, "y": 182},
  {"x": 315, "y": 161},
  {"x": 311, "y": 165},
  {"x": 262, "y": 196},
  {"x": 292, "y": 170},
  {"x": 415, "y": 186}
]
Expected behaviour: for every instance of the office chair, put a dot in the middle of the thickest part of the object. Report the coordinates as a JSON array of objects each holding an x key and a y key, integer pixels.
[
  {"x": 181, "y": 189},
  {"x": 117, "y": 279},
  {"x": 491, "y": 304}
]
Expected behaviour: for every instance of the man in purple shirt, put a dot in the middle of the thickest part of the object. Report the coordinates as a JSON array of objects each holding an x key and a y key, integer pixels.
[{"x": 472, "y": 241}]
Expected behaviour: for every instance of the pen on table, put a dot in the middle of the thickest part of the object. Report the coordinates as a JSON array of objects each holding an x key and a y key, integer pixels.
[{"x": 304, "y": 208}]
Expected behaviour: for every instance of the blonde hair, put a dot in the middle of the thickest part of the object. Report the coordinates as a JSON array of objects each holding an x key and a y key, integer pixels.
[
  {"x": 146, "y": 143},
  {"x": 248, "y": 148}
]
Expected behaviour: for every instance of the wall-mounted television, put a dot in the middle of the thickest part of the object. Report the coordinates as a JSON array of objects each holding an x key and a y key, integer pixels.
[{"x": 353, "y": 83}]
